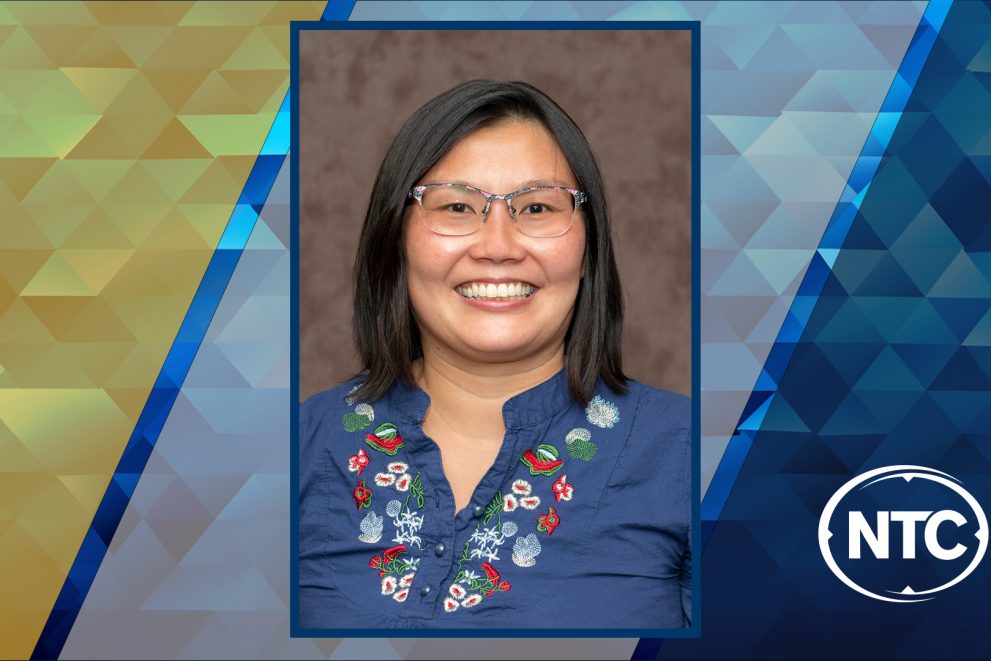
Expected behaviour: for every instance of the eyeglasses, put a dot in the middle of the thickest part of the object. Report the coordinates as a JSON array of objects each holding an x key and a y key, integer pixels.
[{"x": 458, "y": 209}]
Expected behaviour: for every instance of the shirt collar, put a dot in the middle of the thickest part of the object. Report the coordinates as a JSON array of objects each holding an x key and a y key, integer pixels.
[{"x": 525, "y": 409}]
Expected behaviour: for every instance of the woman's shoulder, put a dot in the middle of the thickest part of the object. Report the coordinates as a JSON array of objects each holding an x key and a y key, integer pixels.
[
  {"x": 660, "y": 405},
  {"x": 327, "y": 402},
  {"x": 332, "y": 412}
]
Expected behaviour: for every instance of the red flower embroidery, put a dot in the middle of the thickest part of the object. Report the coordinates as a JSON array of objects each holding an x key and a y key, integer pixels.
[
  {"x": 563, "y": 489},
  {"x": 548, "y": 522},
  {"x": 494, "y": 578},
  {"x": 362, "y": 495},
  {"x": 542, "y": 461},
  {"x": 390, "y": 554},
  {"x": 358, "y": 462}
]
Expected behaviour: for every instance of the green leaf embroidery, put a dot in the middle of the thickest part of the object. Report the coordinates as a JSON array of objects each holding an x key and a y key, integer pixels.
[
  {"x": 354, "y": 422},
  {"x": 416, "y": 489},
  {"x": 582, "y": 449},
  {"x": 494, "y": 507}
]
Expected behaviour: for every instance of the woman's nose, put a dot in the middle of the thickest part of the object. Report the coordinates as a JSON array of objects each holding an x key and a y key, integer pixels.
[{"x": 498, "y": 239}]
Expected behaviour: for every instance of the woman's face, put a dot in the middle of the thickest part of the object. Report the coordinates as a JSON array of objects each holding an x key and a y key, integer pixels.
[{"x": 499, "y": 159}]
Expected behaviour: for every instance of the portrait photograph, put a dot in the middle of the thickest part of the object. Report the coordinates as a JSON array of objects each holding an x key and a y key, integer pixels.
[{"x": 495, "y": 331}]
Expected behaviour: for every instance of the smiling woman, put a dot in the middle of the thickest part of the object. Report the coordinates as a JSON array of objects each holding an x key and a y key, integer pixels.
[{"x": 492, "y": 466}]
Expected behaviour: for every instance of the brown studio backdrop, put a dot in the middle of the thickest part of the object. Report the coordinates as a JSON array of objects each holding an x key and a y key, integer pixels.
[{"x": 628, "y": 90}]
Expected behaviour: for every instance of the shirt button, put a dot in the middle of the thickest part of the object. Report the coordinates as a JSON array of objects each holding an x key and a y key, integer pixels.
[
  {"x": 425, "y": 590},
  {"x": 477, "y": 510},
  {"x": 440, "y": 548}
]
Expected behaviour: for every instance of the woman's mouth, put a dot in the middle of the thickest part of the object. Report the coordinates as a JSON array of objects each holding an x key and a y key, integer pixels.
[{"x": 502, "y": 291}]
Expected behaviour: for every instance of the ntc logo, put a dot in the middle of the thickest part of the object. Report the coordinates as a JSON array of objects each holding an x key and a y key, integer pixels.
[{"x": 902, "y": 533}]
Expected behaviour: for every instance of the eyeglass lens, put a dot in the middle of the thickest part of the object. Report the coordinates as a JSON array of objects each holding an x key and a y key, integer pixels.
[{"x": 457, "y": 211}]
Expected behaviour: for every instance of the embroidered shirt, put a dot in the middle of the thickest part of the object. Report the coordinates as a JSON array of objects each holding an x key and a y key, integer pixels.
[{"x": 583, "y": 520}]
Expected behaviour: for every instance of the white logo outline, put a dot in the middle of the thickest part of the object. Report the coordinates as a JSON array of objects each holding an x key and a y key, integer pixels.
[{"x": 906, "y": 472}]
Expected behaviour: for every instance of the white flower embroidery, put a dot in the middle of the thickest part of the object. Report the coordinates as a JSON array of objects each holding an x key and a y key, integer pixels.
[
  {"x": 371, "y": 528},
  {"x": 450, "y": 605},
  {"x": 365, "y": 410},
  {"x": 397, "y": 467},
  {"x": 403, "y": 482},
  {"x": 602, "y": 413},
  {"x": 488, "y": 540},
  {"x": 525, "y": 550},
  {"x": 457, "y": 591},
  {"x": 393, "y": 509},
  {"x": 348, "y": 400},
  {"x": 471, "y": 600},
  {"x": 406, "y": 580},
  {"x": 384, "y": 479},
  {"x": 401, "y": 595},
  {"x": 408, "y": 524},
  {"x": 530, "y": 502},
  {"x": 470, "y": 576},
  {"x": 522, "y": 488},
  {"x": 509, "y": 503},
  {"x": 578, "y": 434},
  {"x": 389, "y": 585}
]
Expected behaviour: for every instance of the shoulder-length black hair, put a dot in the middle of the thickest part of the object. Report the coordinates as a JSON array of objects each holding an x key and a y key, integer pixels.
[{"x": 385, "y": 330}]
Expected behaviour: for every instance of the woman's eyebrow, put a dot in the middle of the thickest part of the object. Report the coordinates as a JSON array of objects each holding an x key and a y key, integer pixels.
[{"x": 545, "y": 182}]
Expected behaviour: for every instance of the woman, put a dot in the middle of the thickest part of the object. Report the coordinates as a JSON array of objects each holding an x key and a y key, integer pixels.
[{"x": 492, "y": 467}]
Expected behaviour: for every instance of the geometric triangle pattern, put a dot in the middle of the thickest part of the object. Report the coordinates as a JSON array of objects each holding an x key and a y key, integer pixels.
[
  {"x": 126, "y": 137},
  {"x": 891, "y": 366},
  {"x": 127, "y": 131}
]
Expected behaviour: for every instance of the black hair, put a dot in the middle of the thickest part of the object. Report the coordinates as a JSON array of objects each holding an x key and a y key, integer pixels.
[{"x": 385, "y": 330}]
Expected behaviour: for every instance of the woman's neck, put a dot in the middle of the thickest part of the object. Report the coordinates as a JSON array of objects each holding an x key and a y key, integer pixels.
[{"x": 463, "y": 393}]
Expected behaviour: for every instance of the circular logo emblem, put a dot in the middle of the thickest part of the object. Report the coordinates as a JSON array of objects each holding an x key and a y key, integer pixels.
[{"x": 902, "y": 533}]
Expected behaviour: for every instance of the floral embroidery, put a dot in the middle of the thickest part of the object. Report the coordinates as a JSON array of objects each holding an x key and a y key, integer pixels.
[
  {"x": 389, "y": 584},
  {"x": 384, "y": 479},
  {"x": 525, "y": 551},
  {"x": 509, "y": 503},
  {"x": 483, "y": 544},
  {"x": 521, "y": 488},
  {"x": 363, "y": 416},
  {"x": 403, "y": 482},
  {"x": 580, "y": 445},
  {"x": 401, "y": 595},
  {"x": 362, "y": 495},
  {"x": 390, "y": 564},
  {"x": 548, "y": 522},
  {"x": 407, "y": 523},
  {"x": 385, "y": 439},
  {"x": 358, "y": 462},
  {"x": 602, "y": 413},
  {"x": 397, "y": 467},
  {"x": 487, "y": 540},
  {"x": 542, "y": 461},
  {"x": 530, "y": 502},
  {"x": 371, "y": 528},
  {"x": 562, "y": 489},
  {"x": 494, "y": 579}
]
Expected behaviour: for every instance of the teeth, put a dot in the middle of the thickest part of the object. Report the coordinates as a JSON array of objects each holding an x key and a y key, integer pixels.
[{"x": 491, "y": 290}]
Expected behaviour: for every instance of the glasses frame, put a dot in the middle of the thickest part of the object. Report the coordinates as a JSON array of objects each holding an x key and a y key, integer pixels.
[{"x": 416, "y": 193}]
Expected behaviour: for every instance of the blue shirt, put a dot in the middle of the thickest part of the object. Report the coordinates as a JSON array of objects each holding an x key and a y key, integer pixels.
[{"x": 582, "y": 521}]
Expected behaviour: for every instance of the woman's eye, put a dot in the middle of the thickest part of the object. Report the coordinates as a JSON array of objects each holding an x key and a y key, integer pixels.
[
  {"x": 535, "y": 209},
  {"x": 459, "y": 207}
]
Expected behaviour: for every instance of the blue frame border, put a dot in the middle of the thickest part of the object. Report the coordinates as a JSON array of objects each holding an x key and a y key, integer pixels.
[{"x": 694, "y": 27}]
